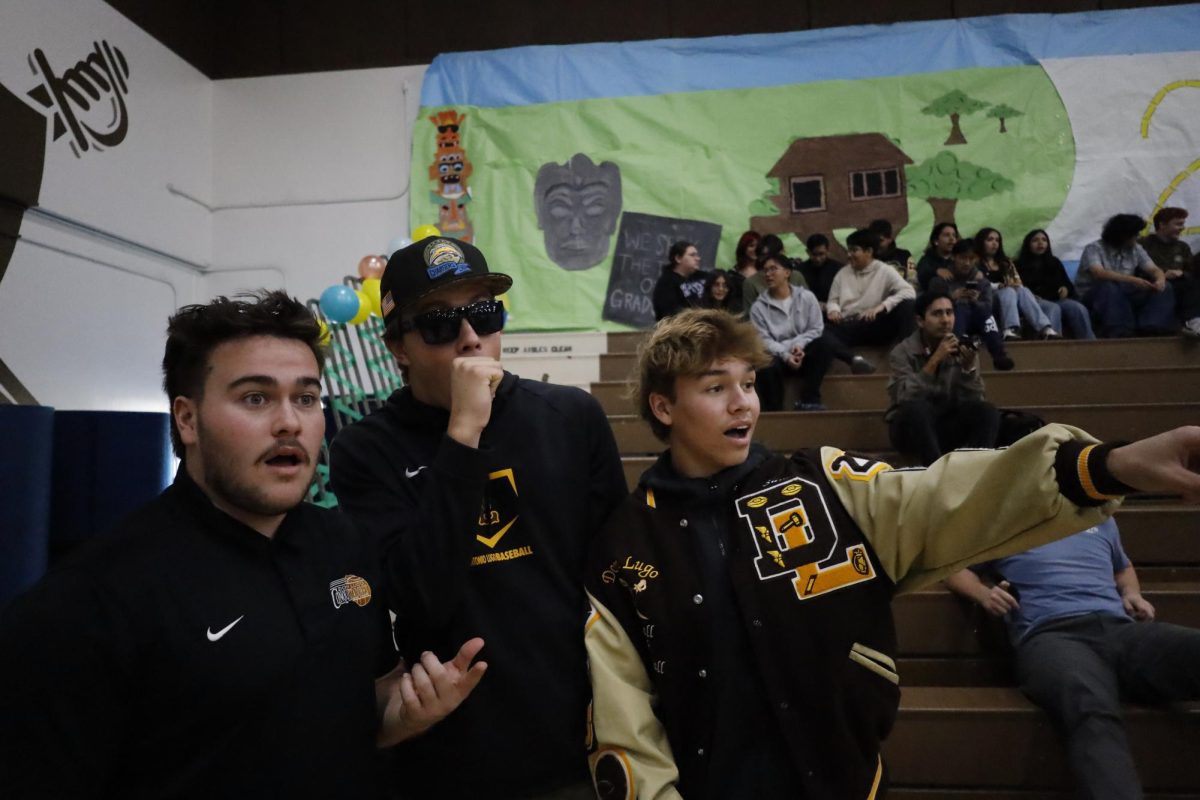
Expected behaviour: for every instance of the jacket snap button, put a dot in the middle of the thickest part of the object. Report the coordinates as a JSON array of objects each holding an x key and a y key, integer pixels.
[
  {"x": 683, "y": 523},
  {"x": 783, "y": 706},
  {"x": 698, "y": 599},
  {"x": 700, "y": 751},
  {"x": 757, "y": 623},
  {"x": 703, "y": 673}
]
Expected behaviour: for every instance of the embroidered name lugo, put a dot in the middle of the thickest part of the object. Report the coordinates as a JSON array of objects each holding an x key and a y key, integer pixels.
[
  {"x": 794, "y": 534},
  {"x": 642, "y": 569}
]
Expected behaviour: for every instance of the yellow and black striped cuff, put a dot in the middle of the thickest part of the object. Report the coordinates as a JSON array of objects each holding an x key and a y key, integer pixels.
[{"x": 1083, "y": 475}]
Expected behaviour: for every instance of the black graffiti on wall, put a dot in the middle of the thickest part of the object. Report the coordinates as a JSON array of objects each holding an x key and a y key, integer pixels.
[{"x": 87, "y": 100}]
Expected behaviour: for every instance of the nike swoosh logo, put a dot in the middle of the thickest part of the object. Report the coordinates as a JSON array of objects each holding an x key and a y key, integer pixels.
[
  {"x": 412, "y": 473},
  {"x": 212, "y": 637}
]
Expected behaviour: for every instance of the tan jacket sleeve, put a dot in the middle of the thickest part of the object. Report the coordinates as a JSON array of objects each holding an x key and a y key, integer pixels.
[
  {"x": 624, "y": 723},
  {"x": 969, "y": 506}
]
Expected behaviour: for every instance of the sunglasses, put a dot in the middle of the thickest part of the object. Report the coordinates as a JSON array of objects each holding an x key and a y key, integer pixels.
[{"x": 442, "y": 325}]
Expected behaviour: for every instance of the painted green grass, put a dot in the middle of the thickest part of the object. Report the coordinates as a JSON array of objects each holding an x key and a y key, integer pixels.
[{"x": 704, "y": 155}]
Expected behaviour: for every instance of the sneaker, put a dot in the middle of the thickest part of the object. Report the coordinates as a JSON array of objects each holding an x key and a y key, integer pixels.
[
  {"x": 1003, "y": 362},
  {"x": 811, "y": 407},
  {"x": 1191, "y": 328},
  {"x": 1049, "y": 333},
  {"x": 1011, "y": 333},
  {"x": 860, "y": 366}
]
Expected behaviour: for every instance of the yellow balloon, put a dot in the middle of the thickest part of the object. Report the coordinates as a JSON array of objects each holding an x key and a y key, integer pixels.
[
  {"x": 364, "y": 308},
  {"x": 423, "y": 231},
  {"x": 370, "y": 288},
  {"x": 326, "y": 334}
]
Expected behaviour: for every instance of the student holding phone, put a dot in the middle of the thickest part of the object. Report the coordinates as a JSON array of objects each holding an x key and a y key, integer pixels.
[{"x": 971, "y": 294}]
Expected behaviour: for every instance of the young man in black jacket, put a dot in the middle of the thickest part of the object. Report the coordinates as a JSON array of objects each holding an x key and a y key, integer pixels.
[
  {"x": 223, "y": 640},
  {"x": 741, "y": 641},
  {"x": 484, "y": 490}
]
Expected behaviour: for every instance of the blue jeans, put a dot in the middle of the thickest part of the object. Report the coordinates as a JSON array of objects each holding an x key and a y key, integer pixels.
[
  {"x": 1073, "y": 313},
  {"x": 975, "y": 319},
  {"x": 1121, "y": 310},
  {"x": 1016, "y": 303}
]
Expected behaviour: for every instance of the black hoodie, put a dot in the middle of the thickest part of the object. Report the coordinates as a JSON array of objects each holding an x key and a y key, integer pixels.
[{"x": 490, "y": 542}]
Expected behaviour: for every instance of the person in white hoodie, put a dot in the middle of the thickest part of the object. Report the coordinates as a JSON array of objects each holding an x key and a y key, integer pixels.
[
  {"x": 869, "y": 303},
  {"x": 788, "y": 318}
]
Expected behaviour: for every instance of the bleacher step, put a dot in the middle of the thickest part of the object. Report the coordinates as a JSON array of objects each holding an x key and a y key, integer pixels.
[
  {"x": 1004, "y": 389},
  {"x": 994, "y": 736},
  {"x": 865, "y": 430}
]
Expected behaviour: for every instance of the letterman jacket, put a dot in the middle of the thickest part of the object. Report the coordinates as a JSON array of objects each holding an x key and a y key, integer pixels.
[{"x": 818, "y": 545}]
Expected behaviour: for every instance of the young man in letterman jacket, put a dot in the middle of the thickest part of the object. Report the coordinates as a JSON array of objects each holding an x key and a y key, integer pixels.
[
  {"x": 484, "y": 491},
  {"x": 741, "y": 639}
]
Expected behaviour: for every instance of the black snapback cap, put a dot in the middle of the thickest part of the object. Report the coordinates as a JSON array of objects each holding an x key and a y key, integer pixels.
[{"x": 431, "y": 264}]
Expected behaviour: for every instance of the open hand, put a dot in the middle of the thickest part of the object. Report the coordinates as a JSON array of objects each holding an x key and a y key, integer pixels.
[{"x": 411, "y": 702}]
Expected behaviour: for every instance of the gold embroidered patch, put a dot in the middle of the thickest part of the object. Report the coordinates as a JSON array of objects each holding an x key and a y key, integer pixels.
[{"x": 350, "y": 589}]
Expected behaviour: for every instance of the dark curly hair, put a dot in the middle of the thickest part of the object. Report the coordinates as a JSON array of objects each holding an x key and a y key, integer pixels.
[
  {"x": 194, "y": 331},
  {"x": 1121, "y": 228}
]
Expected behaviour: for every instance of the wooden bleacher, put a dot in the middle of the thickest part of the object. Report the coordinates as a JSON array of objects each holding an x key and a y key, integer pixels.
[{"x": 964, "y": 731}]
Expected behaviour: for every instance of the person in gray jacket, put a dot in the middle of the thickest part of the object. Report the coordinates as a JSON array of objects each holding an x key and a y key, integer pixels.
[
  {"x": 936, "y": 390},
  {"x": 788, "y": 318}
]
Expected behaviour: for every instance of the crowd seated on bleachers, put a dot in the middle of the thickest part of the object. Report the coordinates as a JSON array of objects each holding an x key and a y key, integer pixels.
[
  {"x": 1125, "y": 286},
  {"x": 1085, "y": 638},
  {"x": 1014, "y": 303},
  {"x": 971, "y": 293},
  {"x": 936, "y": 391},
  {"x": 1124, "y": 289}
]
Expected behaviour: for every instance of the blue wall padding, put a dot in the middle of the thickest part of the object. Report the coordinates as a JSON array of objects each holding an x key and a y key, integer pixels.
[
  {"x": 26, "y": 447},
  {"x": 106, "y": 464}
]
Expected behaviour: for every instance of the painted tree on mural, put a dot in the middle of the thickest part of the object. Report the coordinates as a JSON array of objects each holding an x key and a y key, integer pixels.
[
  {"x": 1003, "y": 112},
  {"x": 764, "y": 205},
  {"x": 943, "y": 180},
  {"x": 954, "y": 105}
]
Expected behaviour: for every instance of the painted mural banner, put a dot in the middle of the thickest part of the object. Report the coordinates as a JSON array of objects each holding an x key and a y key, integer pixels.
[{"x": 1015, "y": 122}]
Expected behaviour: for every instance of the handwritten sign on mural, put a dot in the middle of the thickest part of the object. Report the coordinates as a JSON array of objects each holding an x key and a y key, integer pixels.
[{"x": 642, "y": 244}]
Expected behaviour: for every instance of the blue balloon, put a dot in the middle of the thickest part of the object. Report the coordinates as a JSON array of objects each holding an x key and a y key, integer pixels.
[
  {"x": 399, "y": 243},
  {"x": 339, "y": 303}
]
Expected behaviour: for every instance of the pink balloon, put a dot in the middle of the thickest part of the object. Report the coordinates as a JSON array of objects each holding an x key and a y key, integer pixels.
[{"x": 371, "y": 267}]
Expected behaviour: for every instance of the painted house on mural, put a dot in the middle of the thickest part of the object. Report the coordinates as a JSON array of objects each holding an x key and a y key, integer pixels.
[{"x": 830, "y": 182}]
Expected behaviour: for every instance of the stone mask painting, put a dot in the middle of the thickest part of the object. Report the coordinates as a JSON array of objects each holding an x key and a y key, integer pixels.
[{"x": 577, "y": 204}]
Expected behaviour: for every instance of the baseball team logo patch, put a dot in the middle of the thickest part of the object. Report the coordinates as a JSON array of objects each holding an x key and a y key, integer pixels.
[
  {"x": 350, "y": 589},
  {"x": 442, "y": 256}
]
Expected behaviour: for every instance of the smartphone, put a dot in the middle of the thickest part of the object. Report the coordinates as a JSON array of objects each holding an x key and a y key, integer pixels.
[{"x": 972, "y": 285}]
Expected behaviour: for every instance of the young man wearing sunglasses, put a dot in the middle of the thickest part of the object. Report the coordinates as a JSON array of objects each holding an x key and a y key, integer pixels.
[{"x": 484, "y": 490}]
